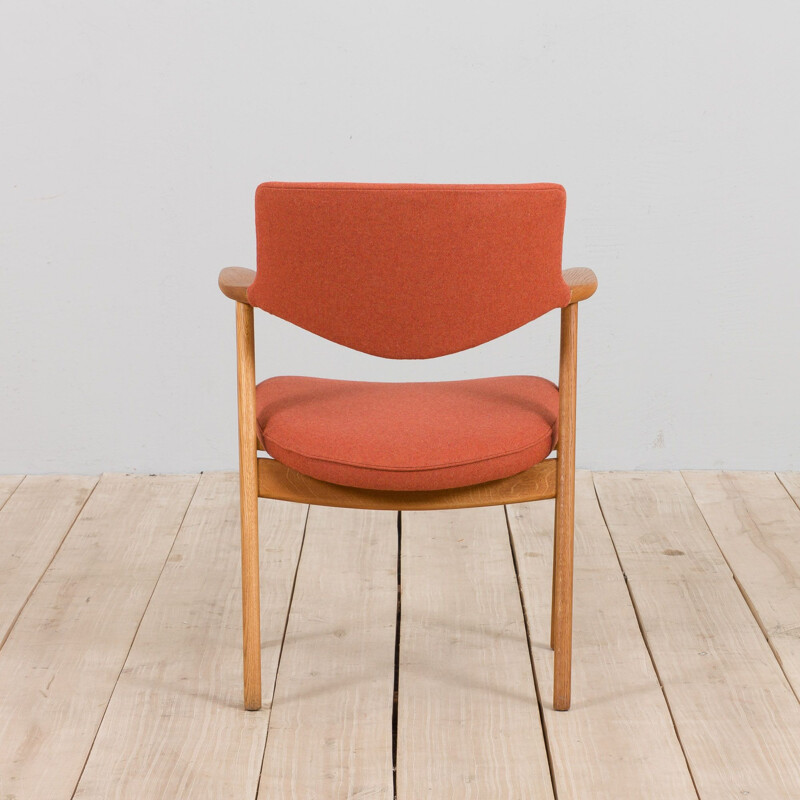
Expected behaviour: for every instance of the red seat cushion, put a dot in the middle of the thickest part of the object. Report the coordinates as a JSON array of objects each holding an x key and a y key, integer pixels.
[{"x": 408, "y": 436}]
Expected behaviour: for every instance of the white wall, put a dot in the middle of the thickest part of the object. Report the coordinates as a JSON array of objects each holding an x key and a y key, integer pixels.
[{"x": 133, "y": 135}]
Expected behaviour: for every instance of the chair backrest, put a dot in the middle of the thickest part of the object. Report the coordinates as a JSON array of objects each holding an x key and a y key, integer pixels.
[{"x": 409, "y": 270}]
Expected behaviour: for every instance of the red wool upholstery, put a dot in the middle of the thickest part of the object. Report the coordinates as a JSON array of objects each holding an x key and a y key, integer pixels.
[
  {"x": 409, "y": 270},
  {"x": 408, "y": 436}
]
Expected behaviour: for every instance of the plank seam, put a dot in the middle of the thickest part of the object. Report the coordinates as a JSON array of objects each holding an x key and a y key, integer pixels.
[
  {"x": 11, "y": 493},
  {"x": 795, "y": 500},
  {"x": 283, "y": 642},
  {"x": 740, "y": 586},
  {"x": 396, "y": 692},
  {"x": 644, "y": 639},
  {"x": 542, "y": 721},
  {"x": 135, "y": 634},
  {"x": 49, "y": 563}
]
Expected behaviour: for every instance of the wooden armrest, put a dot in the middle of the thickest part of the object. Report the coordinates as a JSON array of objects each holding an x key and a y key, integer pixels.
[
  {"x": 582, "y": 283},
  {"x": 233, "y": 282}
]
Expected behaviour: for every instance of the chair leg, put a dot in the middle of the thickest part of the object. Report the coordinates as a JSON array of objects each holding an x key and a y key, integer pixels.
[
  {"x": 563, "y": 545},
  {"x": 248, "y": 496},
  {"x": 553, "y": 584},
  {"x": 251, "y": 596},
  {"x": 561, "y": 623}
]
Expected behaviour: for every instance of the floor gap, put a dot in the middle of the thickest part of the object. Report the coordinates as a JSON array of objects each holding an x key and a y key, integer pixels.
[
  {"x": 795, "y": 500},
  {"x": 396, "y": 658},
  {"x": 19, "y": 483},
  {"x": 283, "y": 642},
  {"x": 530, "y": 656}
]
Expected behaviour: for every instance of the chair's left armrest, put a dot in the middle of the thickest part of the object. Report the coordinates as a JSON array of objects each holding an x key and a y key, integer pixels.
[
  {"x": 582, "y": 283},
  {"x": 233, "y": 283}
]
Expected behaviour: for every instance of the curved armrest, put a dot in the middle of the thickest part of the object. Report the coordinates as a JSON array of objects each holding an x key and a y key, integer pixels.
[
  {"x": 582, "y": 283},
  {"x": 233, "y": 283}
]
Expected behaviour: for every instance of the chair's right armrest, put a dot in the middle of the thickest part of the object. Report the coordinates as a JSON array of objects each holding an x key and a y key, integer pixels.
[
  {"x": 233, "y": 283},
  {"x": 582, "y": 283}
]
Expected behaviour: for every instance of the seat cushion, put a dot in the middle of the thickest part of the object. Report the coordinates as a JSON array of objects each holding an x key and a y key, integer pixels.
[{"x": 408, "y": 436}]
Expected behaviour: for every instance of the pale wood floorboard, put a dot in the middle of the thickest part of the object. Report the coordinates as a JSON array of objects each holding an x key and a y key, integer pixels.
[
  {"x": 64, "y": 654},
  {"x": 33, "y": 522},
  {"x": 330, "y": 733},
  {"x": 175, "y": 726},
  {"x": 617, "y": 740},
  {"x": 757, "y": 526},
  {"x": 468, "y": 721},
  {"x": 79, "y": 577},
  {"x": 791, "y": 482},
  {"x": 736, "y": 715},
  {"x": 8, "y": 483}
]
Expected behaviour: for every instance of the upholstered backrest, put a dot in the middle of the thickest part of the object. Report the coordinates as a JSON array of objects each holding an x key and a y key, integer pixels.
[{"x": 409, "y": 270}]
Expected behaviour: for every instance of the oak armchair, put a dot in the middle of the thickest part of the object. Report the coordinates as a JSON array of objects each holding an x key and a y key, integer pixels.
[{"x": 408, "y": 271}]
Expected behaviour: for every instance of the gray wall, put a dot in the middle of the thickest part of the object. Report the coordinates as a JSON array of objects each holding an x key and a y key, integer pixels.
[{"x": 134, "y": 134}]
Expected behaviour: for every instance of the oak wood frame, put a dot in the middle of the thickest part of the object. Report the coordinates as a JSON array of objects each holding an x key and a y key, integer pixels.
[{"x": 552, "y": 478}]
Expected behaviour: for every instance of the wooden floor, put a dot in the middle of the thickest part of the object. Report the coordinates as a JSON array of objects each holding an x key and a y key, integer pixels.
[{"x": 120, "y": 670}]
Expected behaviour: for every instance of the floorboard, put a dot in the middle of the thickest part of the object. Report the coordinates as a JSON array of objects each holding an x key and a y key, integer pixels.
[
  {"x": 617, "y": 740},
  {"x": 65, "y": 652},
  {"x": 120, "y": 673},
  {"x": 175, "y": 726},
  {"x": 8, "y": 484},
  {"x": 33, "y": 522},
  {"x": 757, "y": 526},
  {"x": 735, "y": 713},
  {"x": 791, "y": 482},
  {"x": 468, "y": 721},
  {"x": 330, "y": 733}
]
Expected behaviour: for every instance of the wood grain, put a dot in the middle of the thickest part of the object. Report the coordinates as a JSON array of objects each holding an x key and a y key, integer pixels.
[
  {"x": 233, "y": 283},
  {"x": 248, "y": 499},
  {"x": 582, "y": 283},
  {"x": 468, "y": 720},
  {"x": 8, "y": 484},
  {"x": 618, "y": 740},
  {"x": 63, "y": 656},
  {"x": 757, "y": 526},
  {"x": 561, "y": 616},
  {"x": 175, "y": 726},
  {"x": 282, "y": 483},
  {"x": 791, "y": 482},
  {"x": 735, "y": 713},
  {"x": 33, "y": 522},
  {"x": 330, "y": 733}
]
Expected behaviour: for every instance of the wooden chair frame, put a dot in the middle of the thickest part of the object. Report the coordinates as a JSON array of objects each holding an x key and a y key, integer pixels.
[{"x": 552, "y": 478}]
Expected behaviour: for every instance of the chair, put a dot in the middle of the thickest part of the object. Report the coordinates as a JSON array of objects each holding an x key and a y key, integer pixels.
[{"x": 408, "y": 271}]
